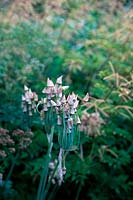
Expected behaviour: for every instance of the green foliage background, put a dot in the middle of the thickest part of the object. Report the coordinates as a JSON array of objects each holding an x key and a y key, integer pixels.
[{"x": 84, "y": 41}]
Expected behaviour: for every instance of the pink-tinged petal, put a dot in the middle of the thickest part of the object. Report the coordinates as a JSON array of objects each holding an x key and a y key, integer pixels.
[
  {"x": 45, "y": 109},
  {"x": 63, "y": 100},
  {"x": 70, "y": 100},
  {"x": 50, "y": 83},
  {"x": 65, "y": 87},
  {"x": 59, "y": 80},
  {"x": 23, "y": 98},
  {"x": 76, "y": 104},
  {"x": 55, "y": 89},
  {"x": 30, "y": 94},
  {"x": 72, "y": 112},
  {"x": 26, "y": 88},
  {"x": 59, "y": 122},
  {"x": 74, "y": 96},
  {"x": 44, "y": 100},
  {"x": 35, "y": 96},
  {"x": 86, "y": 98},
  {"x": 78, "y": 120},
  {"x": 48, "y": 104},
  {"x": 70, "y": 122},
  {"x": 58, "y": 103},
  {"x": 44, "y": 91},
  {"x": 53, "y": 103}
]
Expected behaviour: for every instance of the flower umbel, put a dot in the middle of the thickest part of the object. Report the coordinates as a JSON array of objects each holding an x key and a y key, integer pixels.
[{"x": 60, "y": 110}]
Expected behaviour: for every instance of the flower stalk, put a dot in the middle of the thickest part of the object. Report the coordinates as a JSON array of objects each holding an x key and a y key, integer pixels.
[{"x": 57, "y": 112}]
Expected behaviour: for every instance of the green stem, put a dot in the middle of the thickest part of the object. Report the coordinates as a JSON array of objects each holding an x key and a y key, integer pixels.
[
  {"x": 78, "y": 192},
  {"x": 44, "y": 175},
  {"x": 11, "y": 169},
  {"x": 64, "y": 137},
  {"x": 92, "y": 150},
  {"x": 49, "y": 183},
  {"x": 81, "y": 152},
  {"x": 53, "y": 192}
]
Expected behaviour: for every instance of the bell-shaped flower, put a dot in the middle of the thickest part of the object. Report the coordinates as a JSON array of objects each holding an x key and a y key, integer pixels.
[
  {"x": 74, "y": 96},
  {"x": 48, "y": 104},
  {"x": 58, "y": 103},
  {"x": 30, "y": 93},
  {"x": 70, "y": 100},
  {"x": 59, "y": 122},
  {"x": 72, "y": 111},
  {"x": 63, "y": 100},
  {"x": 59, "y": 92},
  {"x": 78, "y": 121},
  {"x": 45, "y": 108},
  {"x": 44, "y": 100},
  {"x": 76, "y": 104},
  {"x": 35, "y": 96},
  {"x": 70, "y": 122}
]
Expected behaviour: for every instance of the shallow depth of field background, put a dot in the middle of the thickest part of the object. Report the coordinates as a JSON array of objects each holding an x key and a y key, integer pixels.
[{"x": 90, "y": 43}]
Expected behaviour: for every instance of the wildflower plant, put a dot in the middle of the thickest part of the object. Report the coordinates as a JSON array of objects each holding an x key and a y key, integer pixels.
[
  {"x": 59, "y": 116},
  {"x": 11, "y": 145}
]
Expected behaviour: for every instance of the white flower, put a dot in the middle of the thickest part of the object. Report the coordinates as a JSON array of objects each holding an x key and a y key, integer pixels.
[{"x": 59, "y": 122}]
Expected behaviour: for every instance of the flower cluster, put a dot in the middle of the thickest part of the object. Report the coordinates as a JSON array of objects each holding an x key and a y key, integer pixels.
[
  {"x": 23, "y": 139},
  {"x": 10, "y": 143},
  {"x": 59, "y": 173},
  {"x": 6, "y": 143},
  {"x": 58, "y": 108},
  {"x": 56, "y": 99},
  {"x": 29, "y": 100},
  {"x": 91, "y": 123}
]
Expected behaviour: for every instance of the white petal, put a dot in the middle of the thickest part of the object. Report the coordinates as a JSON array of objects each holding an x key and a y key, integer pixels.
[
  {"x": 59, "y": 80},
  {"x": 86, "y": 98},
  {"x": 26, "y": 88},
  {"x": 44, "y": 91},
  {"x": 50, "y": 83},
  {"x": 63, "y": 99},
  {"x": 59, "y": 120},
  {"x": 76, "y": 104},
  {"x": 53, "y": 103},
  {"x": 78, "y": 120},
  {"x": 23, "y": 98},
  {"x": 65, "y": 87}
]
